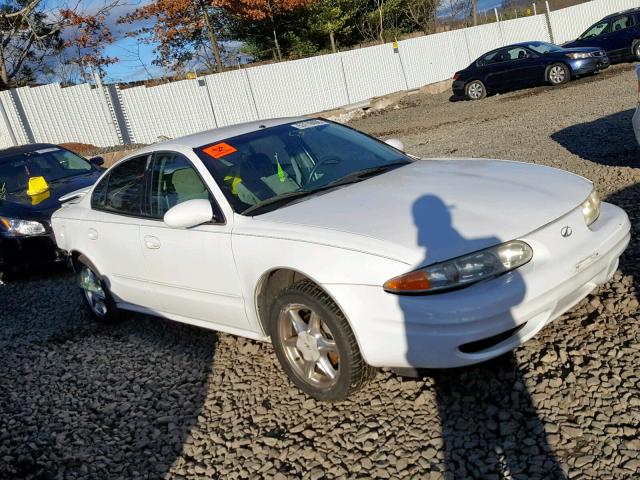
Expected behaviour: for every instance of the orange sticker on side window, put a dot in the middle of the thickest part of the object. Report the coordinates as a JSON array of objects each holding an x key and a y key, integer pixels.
[{"x": 219, "y": 150}]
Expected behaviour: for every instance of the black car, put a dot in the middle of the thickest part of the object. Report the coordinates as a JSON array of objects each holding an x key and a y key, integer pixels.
[
  {"x": 26, "y": 238},
  {"x": 525, "y": 65},
  {"x": 618, "y": 35}
]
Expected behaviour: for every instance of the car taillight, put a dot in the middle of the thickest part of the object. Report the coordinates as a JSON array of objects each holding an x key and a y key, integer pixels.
[{"x": 456, "y": 76}]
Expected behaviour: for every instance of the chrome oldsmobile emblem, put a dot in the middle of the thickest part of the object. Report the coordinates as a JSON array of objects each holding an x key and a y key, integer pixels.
[{"x": 566, "y": 231}]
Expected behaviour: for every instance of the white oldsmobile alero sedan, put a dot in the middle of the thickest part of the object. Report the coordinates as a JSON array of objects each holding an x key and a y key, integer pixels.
[{"x": 342, "y": 250}]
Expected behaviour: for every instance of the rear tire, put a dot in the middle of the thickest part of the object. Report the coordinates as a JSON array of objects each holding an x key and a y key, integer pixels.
[
  {"x": 475, "y": 90},
  {"x": 95, "y": 293},
  {"x": 558, "y": 74},
  {"x": 315, "y": 344}
]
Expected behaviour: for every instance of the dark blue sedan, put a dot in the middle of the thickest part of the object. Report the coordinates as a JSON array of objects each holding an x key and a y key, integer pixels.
[
  {"x": 525, "y": 65},
  {"x": 618, "y": 35}
]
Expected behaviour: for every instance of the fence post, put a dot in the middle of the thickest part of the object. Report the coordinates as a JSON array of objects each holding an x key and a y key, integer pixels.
[
  {"x": 344, "y": 79},
  {"x": 202, "y": 82},
  {"x": 548, "y": 16},
  {"x": 118, "y": 113},
  {"x": 499, "y": 27},
  {"x": 5, "y": 118},
  {"x": 22, "y": 116},
  {"x": 253, "y": 98}
]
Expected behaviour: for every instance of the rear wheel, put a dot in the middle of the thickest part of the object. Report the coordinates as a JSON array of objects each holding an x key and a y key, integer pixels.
[
  {"x": 558, "y": 74},
  {"x": 636, "y": 50},
  {"x": 96, "y": 295},
  {"x": 475, "y": 90},
  {"x": 315, "y": 345}
]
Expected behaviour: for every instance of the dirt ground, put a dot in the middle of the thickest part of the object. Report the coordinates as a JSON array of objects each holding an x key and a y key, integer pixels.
[{"x": 149, "y": 398}]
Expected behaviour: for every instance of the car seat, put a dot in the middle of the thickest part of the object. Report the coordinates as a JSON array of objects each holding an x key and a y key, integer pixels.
[
  {"x": 187, "y": 185},
  {"x": 254, "y": 169},
  {"x": 522, "y": 54}
]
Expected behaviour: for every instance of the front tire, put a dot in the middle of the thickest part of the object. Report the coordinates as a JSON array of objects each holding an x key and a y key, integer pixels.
[
  {"x": 315, "y": 344},
  {"x": 558, "y": 74},
  {"x": 475, "y": 90},
  {"x": 636, "y": 50},
  {"x": 95, "y": 294}
]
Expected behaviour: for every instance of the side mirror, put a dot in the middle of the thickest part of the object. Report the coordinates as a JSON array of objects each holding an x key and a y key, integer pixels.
[
  {"x": 97, "y": 161},
  {"x": 189, "y": 214},
  {"x": 395, "y": 143}
]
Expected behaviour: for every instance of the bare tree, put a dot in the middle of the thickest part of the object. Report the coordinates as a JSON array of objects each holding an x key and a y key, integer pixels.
[
  {"x": 27, "y": 36},
  {"x": 422, "y": 14}
]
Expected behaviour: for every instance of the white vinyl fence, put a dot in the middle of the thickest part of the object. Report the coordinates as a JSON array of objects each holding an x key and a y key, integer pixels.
[{"x": 105, "y": 116}]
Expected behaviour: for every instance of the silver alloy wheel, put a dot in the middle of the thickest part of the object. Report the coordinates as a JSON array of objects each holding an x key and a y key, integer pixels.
[
  {"x": 557, "y": 74},
  {"x": 308, "y": 345},
  {"x": 93, "y": 291},
  {"x": 475, "y": 91}
]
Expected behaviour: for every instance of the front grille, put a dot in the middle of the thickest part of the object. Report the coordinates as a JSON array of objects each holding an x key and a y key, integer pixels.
[{"x": 599, "y": 54}]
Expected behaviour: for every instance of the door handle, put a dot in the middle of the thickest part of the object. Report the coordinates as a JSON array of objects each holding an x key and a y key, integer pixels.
[
  {"x": 152, "y": 243},
  {"x": 92, "y": 233}
]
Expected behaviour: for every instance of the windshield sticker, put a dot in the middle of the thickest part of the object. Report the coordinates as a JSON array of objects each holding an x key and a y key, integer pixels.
[
  {"x": 47, "y": 150},
  {"x": 308, "y": 124},
  {"x": 219, "y": 150}
]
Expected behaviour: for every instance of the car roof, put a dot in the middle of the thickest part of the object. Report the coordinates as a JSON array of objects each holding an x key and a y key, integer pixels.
[
  {"x": 630, "y": 10},
  {"x": 216, "y": 134},
  {"x": 13, "y": 151}
]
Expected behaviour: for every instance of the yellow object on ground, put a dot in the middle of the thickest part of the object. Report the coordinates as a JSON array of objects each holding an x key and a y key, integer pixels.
[{"x": 37, "y": 185}]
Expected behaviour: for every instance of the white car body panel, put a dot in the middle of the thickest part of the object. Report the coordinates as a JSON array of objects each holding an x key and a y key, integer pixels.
[{"x": 353, "y": 239}]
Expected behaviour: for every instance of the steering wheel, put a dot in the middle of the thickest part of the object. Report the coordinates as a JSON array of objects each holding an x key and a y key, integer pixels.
[{"x": 321, "y": 162}]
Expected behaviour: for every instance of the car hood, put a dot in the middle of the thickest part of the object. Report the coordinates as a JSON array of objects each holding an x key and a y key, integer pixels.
[
  {"x": 21, "y": 205},
  {"x": 574, "y": 47},
  {"x": 432, "y": 210}
]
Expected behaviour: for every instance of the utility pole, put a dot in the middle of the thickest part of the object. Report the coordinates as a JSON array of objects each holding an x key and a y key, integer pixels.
[
  {"x": 474, "y": 11},
  {"x": 213, "y": 38}
]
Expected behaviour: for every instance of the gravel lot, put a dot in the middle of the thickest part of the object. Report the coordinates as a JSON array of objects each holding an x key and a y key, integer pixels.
[{"x": 149, "y": 398}]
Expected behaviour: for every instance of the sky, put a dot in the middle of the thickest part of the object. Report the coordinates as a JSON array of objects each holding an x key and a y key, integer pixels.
[{"x": 136, "y": 58}]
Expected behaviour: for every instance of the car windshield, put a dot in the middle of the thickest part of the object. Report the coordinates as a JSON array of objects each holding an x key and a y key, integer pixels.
[
  {"x": 543, "y": 47},
  {"x": 270, "y": 167},
  {"x": 52, "y": 163}
]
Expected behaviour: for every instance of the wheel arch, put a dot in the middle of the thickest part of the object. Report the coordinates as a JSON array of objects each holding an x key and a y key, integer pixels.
[{"x": 272, "y": 282}]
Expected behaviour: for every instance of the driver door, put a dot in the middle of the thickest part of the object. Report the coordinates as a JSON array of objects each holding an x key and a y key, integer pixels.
[{"x": 192, "y": 270}]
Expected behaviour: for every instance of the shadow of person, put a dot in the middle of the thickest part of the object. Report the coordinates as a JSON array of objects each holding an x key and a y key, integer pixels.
[
  {"x": 490, "y": 427},
  {"x": 593, "y": 140}
]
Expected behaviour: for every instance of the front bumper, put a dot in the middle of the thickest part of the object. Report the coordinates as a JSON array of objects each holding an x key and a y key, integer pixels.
[
  {"x": 28, "y": 252},
  {"x": 488, "y": 319},
  {"x": 589, "y": 65}
]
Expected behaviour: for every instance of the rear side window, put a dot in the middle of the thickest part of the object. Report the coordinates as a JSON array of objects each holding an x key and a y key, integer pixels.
[
  {"x": 622, "y": 22},
  {"x": 173, "y": 181},
  {"x": 122, "y": 190}
]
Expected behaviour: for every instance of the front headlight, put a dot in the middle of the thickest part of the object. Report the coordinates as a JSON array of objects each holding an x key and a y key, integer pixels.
[
  {"x": 463, "y": 271},
  {"x": 591, "y": 208},
  {"x": 15, "y": 227},
  {"x": 581, "y": 55}
]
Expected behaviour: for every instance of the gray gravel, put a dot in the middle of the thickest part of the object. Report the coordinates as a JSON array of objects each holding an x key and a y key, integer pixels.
[{"x": 149, "y": 398}]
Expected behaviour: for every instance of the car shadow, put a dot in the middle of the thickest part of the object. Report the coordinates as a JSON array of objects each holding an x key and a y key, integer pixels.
[
  {"x": 594, "y": 141},
  {"x": 93, "y": 400},
  {"x": 490, "y": 426}
]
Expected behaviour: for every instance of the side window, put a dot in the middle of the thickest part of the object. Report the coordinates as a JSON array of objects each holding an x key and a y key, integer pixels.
[
  {"x": 597, "y": 30},
  {"x": 622, "y": 22},
  {"x": 173, "y": 181},
  {"x": 493, "y": 57},
  {"x": 516, "y": 53},
  {"x": 122, "y": 190}
]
